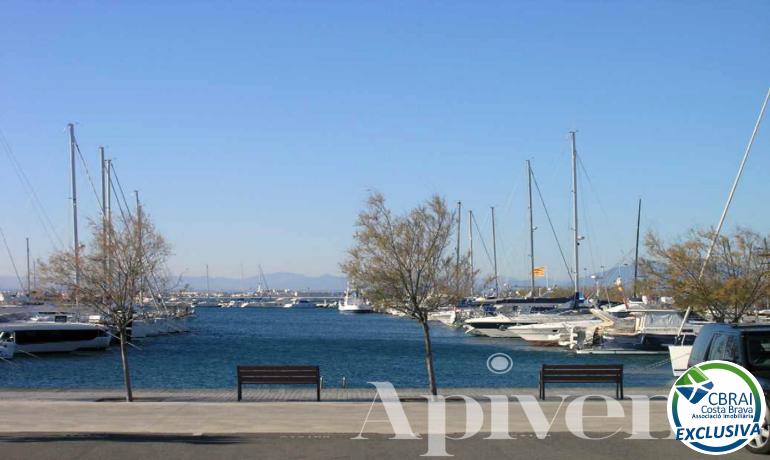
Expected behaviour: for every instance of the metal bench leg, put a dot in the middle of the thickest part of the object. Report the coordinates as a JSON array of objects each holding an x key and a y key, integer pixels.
[
  {"x": 318, "y": 392},
  {"x": 240, "y": 395}
]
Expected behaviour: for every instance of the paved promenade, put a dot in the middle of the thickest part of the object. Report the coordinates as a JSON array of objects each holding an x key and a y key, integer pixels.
[
  {"x": 273, "y": 411},
  {"x": 287, "y": 424}
]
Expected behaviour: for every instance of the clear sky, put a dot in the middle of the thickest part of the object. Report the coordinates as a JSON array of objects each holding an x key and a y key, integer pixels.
[{"x": 254, "y": 129}]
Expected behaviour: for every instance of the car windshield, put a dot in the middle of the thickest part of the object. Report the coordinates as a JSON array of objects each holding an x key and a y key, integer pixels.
[{"x": 758, "y": 350}]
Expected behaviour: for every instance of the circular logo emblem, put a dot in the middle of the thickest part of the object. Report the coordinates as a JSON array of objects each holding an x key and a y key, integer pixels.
[{"x": 716, "y": 407}]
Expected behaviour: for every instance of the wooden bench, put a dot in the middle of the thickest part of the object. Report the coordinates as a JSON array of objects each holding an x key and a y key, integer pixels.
[
  {"x": 279, "y": 375},
  {"x": 583, "y": 373}
]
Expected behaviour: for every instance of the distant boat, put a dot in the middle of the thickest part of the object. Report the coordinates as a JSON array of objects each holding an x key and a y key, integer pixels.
[
  {"x": 207, "y": 303},
  {"x": 299, "y": 303},
  {"x": 354, "y": 303}
]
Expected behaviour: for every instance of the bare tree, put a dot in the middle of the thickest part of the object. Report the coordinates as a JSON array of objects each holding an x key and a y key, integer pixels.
[
  {"x": 406, "y": 262},
  {"x": 119, "y": 262},
  {"x": 733, "y": 281}
]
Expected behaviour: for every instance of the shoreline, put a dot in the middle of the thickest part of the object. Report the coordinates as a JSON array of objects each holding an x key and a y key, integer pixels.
[{"x": 292, "y": 394}]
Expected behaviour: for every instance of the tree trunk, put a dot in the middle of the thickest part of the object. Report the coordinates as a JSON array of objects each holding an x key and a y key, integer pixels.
[
  {"x": 429, "y": 357},
  {"x": 124, "y": 361}
]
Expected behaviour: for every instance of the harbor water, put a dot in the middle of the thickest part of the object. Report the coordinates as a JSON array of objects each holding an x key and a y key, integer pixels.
[{"x": 359, "y": 348}]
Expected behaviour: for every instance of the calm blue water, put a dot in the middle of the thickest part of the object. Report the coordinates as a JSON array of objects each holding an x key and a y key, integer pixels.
[{"x": 361, "y": 348}]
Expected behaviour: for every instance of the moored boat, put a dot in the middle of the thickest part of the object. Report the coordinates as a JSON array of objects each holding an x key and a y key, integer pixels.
[
  {"x": 352, "y": 302},
  {"x": 54, "y": 337}
]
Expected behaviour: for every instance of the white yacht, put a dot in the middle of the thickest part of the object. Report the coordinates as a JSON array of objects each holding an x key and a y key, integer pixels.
[
  {"x": 494, "y": 326},
  {"x": 551, "y": 334},
  {"x": 354, "y": 303},
  {"x": 54, "y": 337},
  {"x": 299, "y": 303},
  {"x": 510, "y": 312}
]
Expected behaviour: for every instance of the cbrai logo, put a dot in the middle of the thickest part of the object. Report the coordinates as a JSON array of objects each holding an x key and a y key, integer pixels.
[{"x": 716, "y": 407}]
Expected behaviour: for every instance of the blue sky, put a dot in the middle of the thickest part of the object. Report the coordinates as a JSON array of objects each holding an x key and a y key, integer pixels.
[{"x": 253, "y": 130}]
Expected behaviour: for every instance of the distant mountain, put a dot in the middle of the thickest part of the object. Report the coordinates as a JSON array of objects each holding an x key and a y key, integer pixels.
[
  {"x": 299, "y": 282},
  {"x": 280, "y": 280},
  {"x": 608, "y": 277}
]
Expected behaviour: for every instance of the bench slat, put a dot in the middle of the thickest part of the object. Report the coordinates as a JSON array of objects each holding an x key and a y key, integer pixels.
[
  {"x": 582, "y": 378},
  {"x": 579, "y": 366},
  {"x": 276, "y": 369}
]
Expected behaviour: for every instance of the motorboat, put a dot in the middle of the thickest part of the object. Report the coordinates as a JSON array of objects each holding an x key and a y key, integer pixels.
[
  {"x": 54, "y": 337},
  {"x": 510, "y": 312},
  {"x": 494, "y": 326},
  {"x": 552, "y": 333},
  {"x": 445, "y": 316},
  {"x": 299, "y": 303},
  {"x": 646, "y": 329},
  {"x": 352, "y": 302}
]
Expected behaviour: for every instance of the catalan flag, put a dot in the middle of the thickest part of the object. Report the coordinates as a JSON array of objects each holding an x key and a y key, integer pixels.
[{"x": 539, "y": 272}]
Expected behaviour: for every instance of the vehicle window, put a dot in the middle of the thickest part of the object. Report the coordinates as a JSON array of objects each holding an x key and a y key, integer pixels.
[
  {"x": 718, "y": 345},
  {"x": 758, "y": 351},
  {"x": 731, "y": 352}
]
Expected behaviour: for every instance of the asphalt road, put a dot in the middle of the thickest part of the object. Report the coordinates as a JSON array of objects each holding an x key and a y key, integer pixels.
[{"x": 276, "y": 446}]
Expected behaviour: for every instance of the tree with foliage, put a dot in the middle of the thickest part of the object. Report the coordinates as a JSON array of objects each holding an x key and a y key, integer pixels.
[
  {"x": 114, "y": 268},
  {"x": 407, "y": 263},
  {"x": 733, "y": 281}
]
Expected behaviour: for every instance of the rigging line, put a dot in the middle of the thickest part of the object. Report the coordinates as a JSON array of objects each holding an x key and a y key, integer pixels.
[
  {"x": 10, "y": 256},
  {"x": 481, "y": 237},
  {"x": 120, "y": 207},
  {"x": 120, "y": 187},
  {"x": 599, "y": 201},
  {"x": 550, "y": 223},
  {"x": 40, "y": 210},
  {"x": 88, "y": 175}
]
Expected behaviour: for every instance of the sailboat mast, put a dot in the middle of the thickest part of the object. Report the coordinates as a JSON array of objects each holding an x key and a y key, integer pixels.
[
  {"x": 636, "y": 251},
  {"x": 459, "y": 222},
  {"x": 76, "y": 242},
  {"x": 29, "y": 275},
  {"x": 208, "y": 286},
  {"x": 139, "y": 246},
  {"x": 531, "y": 234},
  {"x": 735, "y": 185},
  {"x": 470, "y": 246},
  {"x": 575, "y": 214},
  {"x": 494, "y": 251},
  {"x": 103, "y": 164}
]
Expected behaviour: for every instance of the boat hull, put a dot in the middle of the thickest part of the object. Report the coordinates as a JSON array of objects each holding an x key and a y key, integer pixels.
[
  {"x": 645, "y": 341},
  {"x": 355, "y": 309},
  {"x": 679, "y": 355}
]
